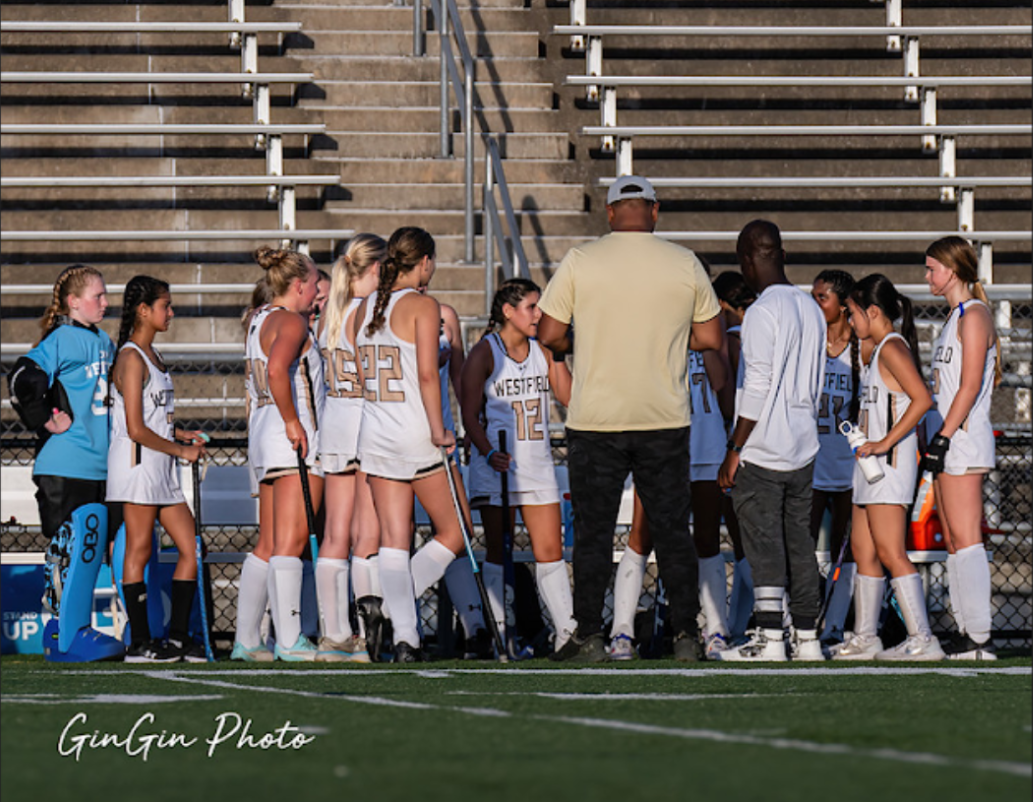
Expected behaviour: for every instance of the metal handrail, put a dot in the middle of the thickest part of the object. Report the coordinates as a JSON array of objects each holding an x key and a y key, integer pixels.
[
  {"x": 514, "y": 265},
  {"x": 797, "y": 80},
  {"x": 48, "y": 26},
  {"x": 789, "y": 30},
  {"x": 447, "y": 15}
]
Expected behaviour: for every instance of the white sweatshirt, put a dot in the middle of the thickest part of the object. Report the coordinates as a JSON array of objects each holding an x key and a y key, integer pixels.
[{"x": 781, "y": 374}]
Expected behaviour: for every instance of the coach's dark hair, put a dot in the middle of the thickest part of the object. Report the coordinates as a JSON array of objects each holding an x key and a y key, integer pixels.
[
  {"x": 731, "y": 288},
  {"x": 957, "y": 255},
  {"x": 512, "y": 292},
  {"x": 842, "y": 284},
  {"x": 877, "y": 290},
  {"x": 140, "y": 290},
  {"x": 407, "y": 247}
]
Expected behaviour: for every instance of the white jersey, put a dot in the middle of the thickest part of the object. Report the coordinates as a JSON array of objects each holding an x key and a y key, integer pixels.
[
  {"x": 707, "y": 435},
  {"x": 781, "y": 373},
  {"x": 269, "y": 450},
  {"x": 394, "y": 438},
  {"x": 834, "y": 465},
  {"x": 138, "y": 474},
  {"x": 880, "y": 411},
  {"x": 342, "y": 413},
  {"x": 516, "y": 400},
  {"x": 972, "y": 446}
]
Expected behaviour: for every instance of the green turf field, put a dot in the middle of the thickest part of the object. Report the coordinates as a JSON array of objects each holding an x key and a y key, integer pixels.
[{"x": 462, "y": 731}]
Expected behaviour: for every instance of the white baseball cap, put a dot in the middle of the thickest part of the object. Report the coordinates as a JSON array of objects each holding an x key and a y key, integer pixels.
[{"x": 630, "y": 186}]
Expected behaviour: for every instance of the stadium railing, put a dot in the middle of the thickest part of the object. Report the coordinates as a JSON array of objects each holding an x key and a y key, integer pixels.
[
  {"x": 281, "y": 188},
  {"x": 242, "y": 34},
  {"x": 450, "y": 28},
  {"x": 511, "y": 249},
  {"x": 297, "y": 238}
]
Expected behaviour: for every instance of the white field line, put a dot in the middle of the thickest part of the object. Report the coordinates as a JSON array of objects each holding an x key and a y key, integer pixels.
[
  {"x": 715, "y": 736},
  {"x": 623, "y": 697},
  {"x": 924, "y": 758},
  {"x": 691, "y": 673},
  {"x": 102, "y": 699}
]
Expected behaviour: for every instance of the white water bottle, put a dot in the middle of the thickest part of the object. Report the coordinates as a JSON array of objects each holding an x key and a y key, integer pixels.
[{"x": 870, "y": 466}]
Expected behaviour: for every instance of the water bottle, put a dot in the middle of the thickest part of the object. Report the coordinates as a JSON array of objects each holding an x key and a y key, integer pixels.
[{"x": 870, "y": 466}]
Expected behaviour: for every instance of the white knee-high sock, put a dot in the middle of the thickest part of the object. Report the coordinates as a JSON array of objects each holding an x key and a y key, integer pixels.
[
  {"x": 554, "y": 587},
  {"x": 494, "y": 584},
  {"x": 396, "y": 580},
  {"x": 429, "y": 565},
  {"x": 466, "y": 599},
  {"x": 285, "y": 578},
  {"x": 910, "y": 593},
  {"x": 740, "y": 605},
  {"x": 332, "y": 590},
  {"x": 713, "y": 596},
  {"x": 954, "y": 590},
  {"x": 839, "y": 604},
  {"x": 868, "y": 593},
  {"x": 252, "y": 599},
  {"x": 974, "y": 573},
  {"x": 627, "y": 590}
]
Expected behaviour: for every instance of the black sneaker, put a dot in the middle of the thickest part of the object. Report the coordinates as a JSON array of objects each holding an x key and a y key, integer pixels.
[
  {"x": 687, "y": 648},
  {"x": 190, "y": 651},
  {"x": 964, "y": 648},
  {"x": 582, "y": 650},
  {"x": 404, "y": 653},
  {"x": 373, "y": 621},
  {"x": 479, "y": 647},
  {"x": 153, "y": 651}
]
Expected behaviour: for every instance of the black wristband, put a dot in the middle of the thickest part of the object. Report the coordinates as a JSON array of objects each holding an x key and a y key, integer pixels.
[{"x": 731, "y": 446}]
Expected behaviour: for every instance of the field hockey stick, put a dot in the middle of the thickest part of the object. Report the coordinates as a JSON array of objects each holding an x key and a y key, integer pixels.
[
  {"x": 508, "y": 570},
  {"x": 831, "y": 586},
  {"x": 467, "y": 532},
  {"x": 310, "y": 512},
  {"x": 202, "y": 596}
]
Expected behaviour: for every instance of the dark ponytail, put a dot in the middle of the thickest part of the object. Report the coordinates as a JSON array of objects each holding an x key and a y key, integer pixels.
[
  {"x": 877, "y": 290},
  {"x": 407, "y": 247}
]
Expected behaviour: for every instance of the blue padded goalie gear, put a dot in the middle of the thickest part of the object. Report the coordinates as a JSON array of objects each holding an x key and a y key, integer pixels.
[
  {"x": 87, "y": 645},
  {"x": 155, "y": 606},
  {"x": 73, "y": 562}
]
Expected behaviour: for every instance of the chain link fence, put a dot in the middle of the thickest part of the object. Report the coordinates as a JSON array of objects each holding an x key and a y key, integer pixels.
[{"x": 210, "y": 396}]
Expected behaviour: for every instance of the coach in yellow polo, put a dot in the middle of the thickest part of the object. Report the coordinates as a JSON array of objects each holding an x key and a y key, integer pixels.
[{"x": 639, "y": 303}]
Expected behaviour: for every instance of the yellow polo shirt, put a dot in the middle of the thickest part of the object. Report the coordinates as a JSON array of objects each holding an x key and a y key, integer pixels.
[{"x": 632, "y": 298}]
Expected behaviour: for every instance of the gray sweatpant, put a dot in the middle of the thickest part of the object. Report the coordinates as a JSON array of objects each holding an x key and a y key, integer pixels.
[{"x": 774, "y": 509}]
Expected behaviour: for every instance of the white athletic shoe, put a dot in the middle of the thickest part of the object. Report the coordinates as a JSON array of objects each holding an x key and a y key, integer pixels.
[
  {"x": 260, "y": 654},
  {"x": 806, "y": 647},
  {"x": 764, "y": 645},
  {"x": 300, "y": 652},
  {"x": 857, "y": 647},
  {"x": 621, "y": 648},
  {"x": 716, "y": 643},
  {"x": 916, "y": 647},
  {"x": 350, "y": 650}
]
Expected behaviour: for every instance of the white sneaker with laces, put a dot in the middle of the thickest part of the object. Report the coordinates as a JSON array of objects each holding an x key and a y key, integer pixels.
[
  {"x": 621, "y": 648},
  {"x": 764, "y": 645},
  {"x": 857, "y": 647},
  {"x": 925, "y": 648}
]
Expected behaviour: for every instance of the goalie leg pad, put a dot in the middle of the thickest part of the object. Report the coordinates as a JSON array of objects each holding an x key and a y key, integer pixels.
[{"x": 85, "y": 548}]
